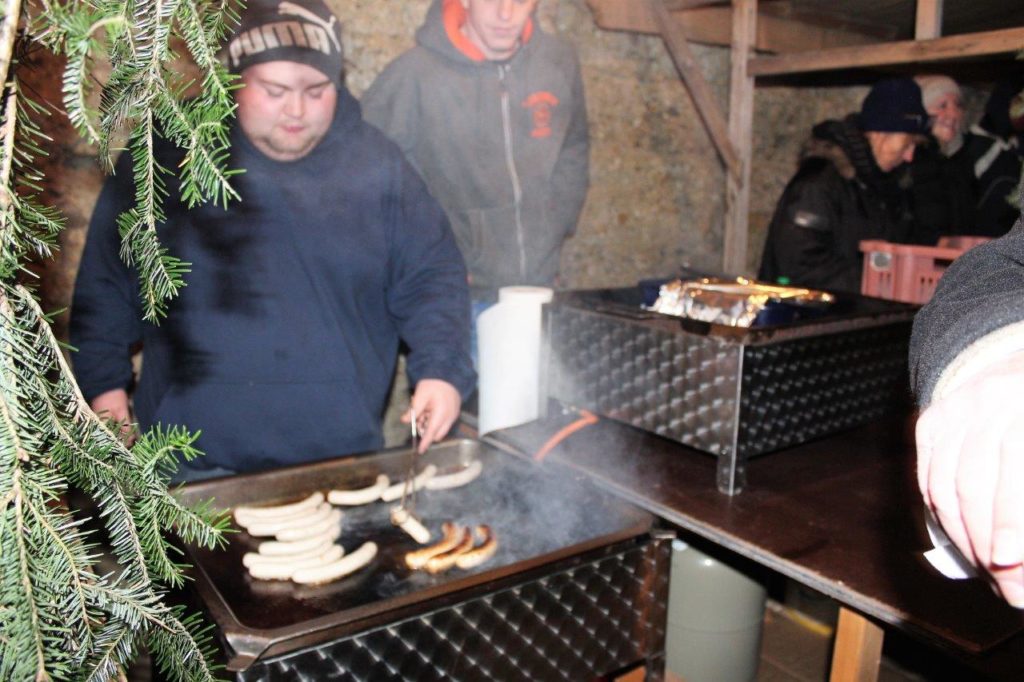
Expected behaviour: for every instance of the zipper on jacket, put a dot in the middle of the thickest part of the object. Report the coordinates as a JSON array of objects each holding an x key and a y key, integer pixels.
[{"x": 517, "y": 189}]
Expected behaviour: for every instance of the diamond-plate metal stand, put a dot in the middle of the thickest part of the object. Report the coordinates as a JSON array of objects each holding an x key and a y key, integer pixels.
[{"x": 574, "y": 624}]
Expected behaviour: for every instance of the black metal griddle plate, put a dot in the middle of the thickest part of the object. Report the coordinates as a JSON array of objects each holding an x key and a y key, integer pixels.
[{"x": 541, "y": 516}]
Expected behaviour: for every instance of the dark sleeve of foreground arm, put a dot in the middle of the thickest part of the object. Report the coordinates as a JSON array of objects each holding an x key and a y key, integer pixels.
[{"x": 981, "y": 293}]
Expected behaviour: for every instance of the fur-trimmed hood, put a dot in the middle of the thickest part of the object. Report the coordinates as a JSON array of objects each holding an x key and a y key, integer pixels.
[
  {"x": 844, "y": 145},
  {"x": 831, "y": 151}
]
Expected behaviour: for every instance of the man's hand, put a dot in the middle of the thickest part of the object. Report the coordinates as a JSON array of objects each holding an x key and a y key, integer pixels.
[
  {"x": 436, "y": 404},
  {"x": 970, "y": 447},
  {"x": 113, "y": 405}
]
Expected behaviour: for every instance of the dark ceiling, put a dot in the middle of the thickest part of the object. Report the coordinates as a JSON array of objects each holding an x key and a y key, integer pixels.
[{"x": 896, "y": 17}]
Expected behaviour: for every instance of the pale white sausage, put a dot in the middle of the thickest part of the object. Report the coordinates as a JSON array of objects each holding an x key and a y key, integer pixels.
[
  {"x": 278, "y": 548},
  {"x": 393, "y": 492},
  {"x": 309, "y": 516},
  {"x": 248, "y": 515},
  {"x": 410, "y": 524},
  {"x": 337, "y": 569},
  {"x": 457, "y": 479},
  {"x": 295, "y": 533},
  {"x": 274, "y": 570},
  {"x": 251, "y": 558},
  {"x": 351, "y": 498}
]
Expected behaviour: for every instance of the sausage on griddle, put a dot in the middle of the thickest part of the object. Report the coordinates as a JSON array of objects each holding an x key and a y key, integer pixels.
[
  {"x": 442, "y": 562},
  {"x": 452, "y": 536},
  {"x": 337, "y": 569},
  {"x": 482, "y": 552},
  {"x": 351, "y": 498}
]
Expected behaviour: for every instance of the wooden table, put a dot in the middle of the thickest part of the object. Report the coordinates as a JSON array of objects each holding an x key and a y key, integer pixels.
[{"x": 840, "y": 515}]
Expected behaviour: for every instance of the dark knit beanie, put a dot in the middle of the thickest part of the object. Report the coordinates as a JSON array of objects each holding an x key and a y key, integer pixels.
[
  {"x": 894, "y": 106},
  {"x": 303, "y": 31}
]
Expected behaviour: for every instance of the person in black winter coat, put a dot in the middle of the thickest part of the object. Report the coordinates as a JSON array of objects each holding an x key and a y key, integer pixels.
[
  {"x": 847, "y": 189},
  {"x": 943, "y": 188},
  {"x": 993, "y": 149}
]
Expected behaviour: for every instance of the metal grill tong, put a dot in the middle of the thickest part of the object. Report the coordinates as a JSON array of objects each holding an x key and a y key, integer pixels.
[
  {"x": 404, "y": 515},
  {"x": 408, "y": 501}
]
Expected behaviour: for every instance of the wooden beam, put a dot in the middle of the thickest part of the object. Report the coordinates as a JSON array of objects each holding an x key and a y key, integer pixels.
[
  {"x": 929, "y": 19},
  {"x": 902, "y": 52},
  {"x": 741, "y": 124},
  {"x": 858, "y": 649},
  {"x": 713, "y": 26},
  {"x": 697, "y": 85}
]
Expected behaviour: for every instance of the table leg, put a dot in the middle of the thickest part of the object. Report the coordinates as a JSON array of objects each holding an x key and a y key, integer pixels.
[{"x": 857, "y": 650}]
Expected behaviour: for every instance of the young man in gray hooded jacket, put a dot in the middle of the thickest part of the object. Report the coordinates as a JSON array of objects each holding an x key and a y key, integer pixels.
[{"x": 490, "y": 110}]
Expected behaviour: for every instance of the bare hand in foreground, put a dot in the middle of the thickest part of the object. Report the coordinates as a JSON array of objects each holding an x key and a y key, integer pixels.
[
  {"x": 970, "y": 448},
  {"x": 436, "y": 404}
]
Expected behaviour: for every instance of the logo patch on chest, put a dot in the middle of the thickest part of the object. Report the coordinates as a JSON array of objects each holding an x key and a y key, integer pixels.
[{"x": 541, "y": 105}]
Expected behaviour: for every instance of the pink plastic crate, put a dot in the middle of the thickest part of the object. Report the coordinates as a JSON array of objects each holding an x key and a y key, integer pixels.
[{"x": 903, "y": 272}]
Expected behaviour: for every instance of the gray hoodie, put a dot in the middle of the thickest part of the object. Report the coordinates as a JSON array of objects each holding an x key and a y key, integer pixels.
[{"x": 503, "y": 146}]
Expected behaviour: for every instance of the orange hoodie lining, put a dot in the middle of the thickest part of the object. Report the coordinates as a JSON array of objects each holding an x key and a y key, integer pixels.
[{"x": 454, "y": 18}]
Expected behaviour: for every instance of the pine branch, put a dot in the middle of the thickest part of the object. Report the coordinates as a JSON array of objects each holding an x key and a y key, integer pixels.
[
  {"x": 11, "y": 417},
  {"x": 143, "y": 470},
  {"x": 200, "y": 40},
  {"x": 39, "y": 652},
  {"x": 8, "y": 30},
  {"x": 80, "y": 407},
  {"x": 116, "y": 643},
  {"x": 203, "y": 177},
  {"x": 7, "y": 160},
  {"x": 66, "y": 538},
  {"x": 79, "y": 47},
  {"x": 58, "y": 619},
  {"x": 174, "y": 648}
]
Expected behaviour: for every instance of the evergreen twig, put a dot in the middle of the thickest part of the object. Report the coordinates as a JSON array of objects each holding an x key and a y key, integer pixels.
[{"x": 59, "y": 619}]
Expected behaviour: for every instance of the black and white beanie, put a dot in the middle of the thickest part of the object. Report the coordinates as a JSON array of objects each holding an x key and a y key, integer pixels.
[{"x": 303, "y": 31}]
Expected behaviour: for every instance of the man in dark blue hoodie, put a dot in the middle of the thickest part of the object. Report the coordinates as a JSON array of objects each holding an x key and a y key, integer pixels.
[{"x": 282, "y": 346}]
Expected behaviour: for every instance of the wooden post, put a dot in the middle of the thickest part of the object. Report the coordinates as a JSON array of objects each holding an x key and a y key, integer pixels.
[
  {"x": 858, "y": 649},
  {"x": 700, "y": 91},
  {"x": 741, "y": 123},
  {"x": 929, "y": 19}
]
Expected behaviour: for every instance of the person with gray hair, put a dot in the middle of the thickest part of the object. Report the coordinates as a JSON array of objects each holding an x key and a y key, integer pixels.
[{"x": 942, "y": 188}]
